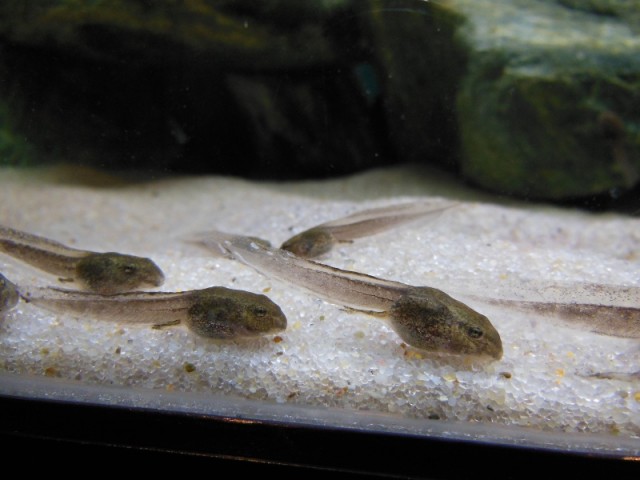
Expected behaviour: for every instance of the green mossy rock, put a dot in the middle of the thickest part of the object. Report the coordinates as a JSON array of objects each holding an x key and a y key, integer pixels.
[
  {"x": 629, "y": 10},
  {"x": 550, "y": 103},
  {"x": 531, "y": 98}
]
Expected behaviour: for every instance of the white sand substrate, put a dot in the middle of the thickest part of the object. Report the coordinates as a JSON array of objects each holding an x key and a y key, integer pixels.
[{"x": 552, "y": 378}]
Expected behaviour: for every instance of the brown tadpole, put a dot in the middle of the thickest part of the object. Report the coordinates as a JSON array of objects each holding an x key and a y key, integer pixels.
[
  {"x": 105, "y": 273},
  {"x": 214, "y": 312},
  {"x": 320, "y": 239}
]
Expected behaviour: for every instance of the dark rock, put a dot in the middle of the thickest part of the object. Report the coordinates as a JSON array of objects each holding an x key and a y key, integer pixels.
[
  {"x": 533, "y": 98},
  {"x": 14, "y": 148},
  {"x": 313, "y": 124},
  {"x": 421, "y": 65},
  {"x": 184, "y": 86},
  {"x": 235, "y": 34}
]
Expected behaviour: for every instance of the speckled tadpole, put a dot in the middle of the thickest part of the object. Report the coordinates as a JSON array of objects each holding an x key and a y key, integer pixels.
[
  {"x": 320, "y": 239},
  {"x": 424, "y": 317},
  {"x": 105, "y": 273},
  {"x": 214, "y": 312}
]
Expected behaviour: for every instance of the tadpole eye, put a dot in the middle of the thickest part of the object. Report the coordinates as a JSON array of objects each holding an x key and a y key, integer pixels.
[
  {"x": 474, "y": 332},
  {"x": 129, "y": 269},
  {"x": 259, "y": 311}
]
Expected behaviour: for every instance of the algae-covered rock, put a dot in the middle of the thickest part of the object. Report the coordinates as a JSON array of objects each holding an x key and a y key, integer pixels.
[
  {"x": 533, "y": 98},
  {"x": 627, "y": 9},
  {"x": 550, "y": 103}
]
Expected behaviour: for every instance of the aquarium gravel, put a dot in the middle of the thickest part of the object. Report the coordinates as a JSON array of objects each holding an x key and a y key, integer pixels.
[{"x": 552, "y": 378}]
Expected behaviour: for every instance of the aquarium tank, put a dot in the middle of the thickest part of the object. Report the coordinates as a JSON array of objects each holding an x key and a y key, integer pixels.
[{"x": 366, "y": 237}]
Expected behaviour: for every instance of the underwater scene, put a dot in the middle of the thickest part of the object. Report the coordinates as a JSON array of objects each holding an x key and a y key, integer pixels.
[{"x": 416, "y": 217}]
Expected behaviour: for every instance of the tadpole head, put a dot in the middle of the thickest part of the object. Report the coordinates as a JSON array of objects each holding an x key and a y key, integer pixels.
[
  {"x": 431, "y": 320},
  {"x": 110, "y": 273},
  {"x": 219, "y": 312},
  {"x": 8, "y": 294},
  {"x": 310, "y": 243}
]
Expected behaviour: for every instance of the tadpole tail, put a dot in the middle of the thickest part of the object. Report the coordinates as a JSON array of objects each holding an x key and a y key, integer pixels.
[
  {"x": 613, "y": 320},
  {"x": 343, "y": 287}
]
